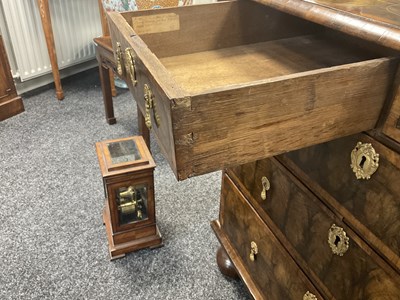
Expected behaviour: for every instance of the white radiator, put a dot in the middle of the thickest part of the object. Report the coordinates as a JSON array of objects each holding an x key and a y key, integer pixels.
[{"x": 75, "y": 24}]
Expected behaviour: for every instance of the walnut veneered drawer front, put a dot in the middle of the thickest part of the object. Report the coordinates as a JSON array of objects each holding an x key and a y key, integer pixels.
[
  {"x": 272, "y": 268},
  {"x": 247, "y": 83},
  {"x": 391, "y": 126},
  {"x": 344, "y": 271},
  {"x": 370, "y": 206}
]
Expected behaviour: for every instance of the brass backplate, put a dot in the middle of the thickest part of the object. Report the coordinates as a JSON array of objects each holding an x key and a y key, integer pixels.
[
  {"x": 118, "y": 54},
  {"x": 130, "y": 65}
]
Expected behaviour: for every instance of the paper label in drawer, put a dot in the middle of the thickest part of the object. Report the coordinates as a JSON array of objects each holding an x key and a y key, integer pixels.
[{"x": 156, "y": 23}]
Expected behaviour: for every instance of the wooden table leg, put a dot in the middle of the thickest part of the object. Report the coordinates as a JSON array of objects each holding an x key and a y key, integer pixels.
[
  {"x": 48, "y": 33},
  {"x": 106, "y": 90},
  {"x": 143, "y": 130},
  {"x": 112, "y": 84},
  {"x": 104, "y": 28}
]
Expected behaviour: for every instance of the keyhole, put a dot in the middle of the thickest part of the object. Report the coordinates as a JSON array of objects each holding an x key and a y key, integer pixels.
[
  {"x": 337, "y": 241},
  {"x": 362, "y": 162}
]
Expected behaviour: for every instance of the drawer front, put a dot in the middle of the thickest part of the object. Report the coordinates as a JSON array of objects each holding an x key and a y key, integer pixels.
[
  {"x": 272, "y": 269},
  {"x": 392, "y": 123},
  {"x": 371, "y": 206},
  {"x": 302, "y": 220}
]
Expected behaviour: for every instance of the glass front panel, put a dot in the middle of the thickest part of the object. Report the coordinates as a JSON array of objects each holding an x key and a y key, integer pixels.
[
  {"x": 123, "y": 151},
  {"x": 132, "y": 203}
]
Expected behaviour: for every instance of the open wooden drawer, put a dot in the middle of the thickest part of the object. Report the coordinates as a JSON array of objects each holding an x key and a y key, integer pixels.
[{"x": 232, "y": 82}]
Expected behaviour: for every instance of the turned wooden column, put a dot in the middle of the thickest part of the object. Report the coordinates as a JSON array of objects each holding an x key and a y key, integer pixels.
[{"x": 48, "y": 33}]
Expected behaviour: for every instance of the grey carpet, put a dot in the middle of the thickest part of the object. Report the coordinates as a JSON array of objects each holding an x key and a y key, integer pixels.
[{"x": 52, "y": 241}]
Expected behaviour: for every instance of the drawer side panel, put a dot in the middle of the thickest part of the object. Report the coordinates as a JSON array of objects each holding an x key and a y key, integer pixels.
[
  {"x": 228, "y": 24},
  {"x": 149, "y": 71},
  {"x": 392, "y": 124}
]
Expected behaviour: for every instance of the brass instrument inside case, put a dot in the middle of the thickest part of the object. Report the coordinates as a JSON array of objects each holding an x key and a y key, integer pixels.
[{"x": 130, "y": 202}]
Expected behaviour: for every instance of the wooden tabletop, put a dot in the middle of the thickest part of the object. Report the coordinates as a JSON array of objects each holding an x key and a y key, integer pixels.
[
  {"x": 387, "y": 11},
  {"x": 373, "y": 20}
]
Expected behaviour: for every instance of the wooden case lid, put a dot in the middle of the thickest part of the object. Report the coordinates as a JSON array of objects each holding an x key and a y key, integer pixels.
[{"x": 123, "y": 155}]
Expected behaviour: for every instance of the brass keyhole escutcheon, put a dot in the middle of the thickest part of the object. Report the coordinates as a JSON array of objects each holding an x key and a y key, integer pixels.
[
  {"x": 118, "y": 54},
  {"x": 265, "y": 187},
  {"x": 253, "y": 251},
  {"x": 364, "y": 160},
  {"x": 338, "y": 240},
  {"x": 130, "y": 65},
  {"x": 309, "y": 296}
]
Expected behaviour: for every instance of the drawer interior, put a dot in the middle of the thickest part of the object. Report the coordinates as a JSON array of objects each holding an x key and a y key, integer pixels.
[
  {"x": 202, "y": 71},
  {"x": 232, "y": 80},
  {"x": 206, "y": 48}
]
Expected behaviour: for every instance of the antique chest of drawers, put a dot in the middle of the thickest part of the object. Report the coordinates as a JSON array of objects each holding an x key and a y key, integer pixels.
[
  {"x": 288, "y": 97},
  {"x": 341, "y": 231},
  {"x": 222, "y": 84}
]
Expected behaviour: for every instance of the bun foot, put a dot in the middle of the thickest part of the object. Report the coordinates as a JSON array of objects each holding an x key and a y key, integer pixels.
[{"x": 225, "y": 265}]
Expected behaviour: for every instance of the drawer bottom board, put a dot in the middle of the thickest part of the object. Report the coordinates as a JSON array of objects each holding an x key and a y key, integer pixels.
[{"x": 202, "y": 71}]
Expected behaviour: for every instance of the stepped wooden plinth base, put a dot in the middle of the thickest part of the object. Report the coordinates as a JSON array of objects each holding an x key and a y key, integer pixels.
[{"x": 118, "y": 250}]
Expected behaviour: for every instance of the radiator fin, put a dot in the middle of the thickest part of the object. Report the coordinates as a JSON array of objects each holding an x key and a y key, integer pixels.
[{"x": 75, "y": 23}]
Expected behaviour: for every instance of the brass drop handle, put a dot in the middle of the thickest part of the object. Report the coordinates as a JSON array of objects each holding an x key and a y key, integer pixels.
[
  {"x": 265, "y": 187},
  {"x": 338, "y": 240},
  {"x": 253, "y": 250},
  {"x": 150, "y": 105},
  {"x": 309, "y": 296},
  {"x": 130, "y": 65},
  {"x": 118, "y": 54},
  {"x": 364, "y": 160}
]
